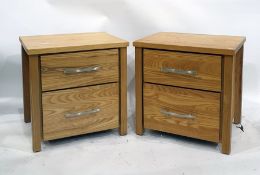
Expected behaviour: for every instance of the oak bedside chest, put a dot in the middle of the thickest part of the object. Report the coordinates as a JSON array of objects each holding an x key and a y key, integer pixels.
[
  {"x": 189, "y": 85},
  {"x": 74, "y": 84}
]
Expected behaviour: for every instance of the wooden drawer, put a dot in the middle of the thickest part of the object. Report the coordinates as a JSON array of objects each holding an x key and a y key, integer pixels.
[
  {"x": 199, "y": 71},
  {"x": 80, "y": 110},
  {"x": 68, "y": 70},
  {"x": 187, "y": 112}
]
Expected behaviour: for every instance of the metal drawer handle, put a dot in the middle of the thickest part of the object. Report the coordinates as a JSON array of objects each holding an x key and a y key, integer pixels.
[
  {"x": 80, "y": 70},
  {"x": 178, "y": 71},
  {"x": 173, "y": 114},
  {"x": 78, "y": 114}
]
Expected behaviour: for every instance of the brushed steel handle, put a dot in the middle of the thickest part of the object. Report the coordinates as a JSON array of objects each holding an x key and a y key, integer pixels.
[
  {"x": 173, "y": 114},
  {"x": 83, "y": 113},
  {"x": 80, "y": 70},
  {"x": 178, "y": 71}
]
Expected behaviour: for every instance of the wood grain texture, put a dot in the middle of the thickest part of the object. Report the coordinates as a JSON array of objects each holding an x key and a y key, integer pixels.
[
  {"x": 35, "y": 99},
  {"x": 26, "y": 87},
  {"x": 139, "y": 91},
  {"x": 43, "y": 44},
  {"x": 57, "y": 103},
  {"x": 212, "y": 44},
  {"x": 208, "y": 68},
  {"x": 53, "y": 66},
  {"x": 123, "y": 91},
  {"x": 238, "y": 86},
  {"x": 227, "y": 107},
  {"x": 205, "y": 106}
]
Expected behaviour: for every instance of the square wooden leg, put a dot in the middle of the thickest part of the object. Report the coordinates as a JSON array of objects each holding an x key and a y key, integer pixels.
[
  {"x": 26, "y": 87},
  {"x": 238, "y": 86},
  {"x": 123, "y": 91},
  {"x": 227, "y": 106},
  {"x": 139, "y": 91},
  {"x": 35, "y": 98}
]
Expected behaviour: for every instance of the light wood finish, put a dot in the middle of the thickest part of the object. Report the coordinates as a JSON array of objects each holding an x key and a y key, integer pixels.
[
  {"x": 53, "y": 66},
  {"x": 45, "y": 44},
  {"x": 139, "y": 91},
  {"x": 204, "y": 106},
  {"x": 238, "y": 86},
  {"x": 74, "y": 73},
  {"x": 26, "y": 87},
  {"x": 227, "y": 109},
  {"x": 212, "y": 44},
  {"x": 207, "y": 67},
  {"x": 123, "y": 91},
  {"x": 35, "y": 99},
  {"x": 57, "y": 103},
  {"x": 218, "y": 58}
]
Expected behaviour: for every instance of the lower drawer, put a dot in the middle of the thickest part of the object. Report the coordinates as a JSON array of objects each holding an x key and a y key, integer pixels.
[
  {"x": 80, "y": 110},
  {"x": 181, "y": 111}
]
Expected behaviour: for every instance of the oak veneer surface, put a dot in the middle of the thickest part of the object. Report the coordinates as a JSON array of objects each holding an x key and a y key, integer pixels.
[
  {"x": 123, "y": 91},
  {"x": 201, "y": 43},
  {"x": 43, "y": 44},
  {"x": 227, "y": 103},
  {"x": 238, "y": 86},
  {"x": 211, "y": 81},
  {"x": 35, "y": 102},
  {"x": 205, "y": 106},
  {"x": 57, "y": 103},
  {"x": 26, "y": 87},
  {"x": 207, "y": 67},
  {"x": 52, "y": 69},
  {"x": 139, "y": 90},
  {"x": 77, "y": 84}
]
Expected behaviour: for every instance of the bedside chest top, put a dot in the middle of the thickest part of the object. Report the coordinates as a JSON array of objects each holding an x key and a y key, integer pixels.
[
  {"x": 213, "y": 44},
  {"x": 43, "y": 44}
]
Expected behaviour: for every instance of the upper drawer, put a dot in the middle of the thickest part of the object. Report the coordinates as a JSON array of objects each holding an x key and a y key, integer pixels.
[
  {"x": 67, "y": 70},
  {"x": 199, "y": 71}
]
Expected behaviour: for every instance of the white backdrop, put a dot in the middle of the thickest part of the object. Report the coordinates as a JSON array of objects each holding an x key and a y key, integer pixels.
[{"x": 130, "y": 20}]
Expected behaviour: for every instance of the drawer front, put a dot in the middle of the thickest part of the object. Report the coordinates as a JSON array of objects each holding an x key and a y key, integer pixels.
[
  {"x": 68, "y": 70},
  {"x": 80, "y": 110},
  {"x": 199, "y": 71},
  {"x": 187, "y": 112}
]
